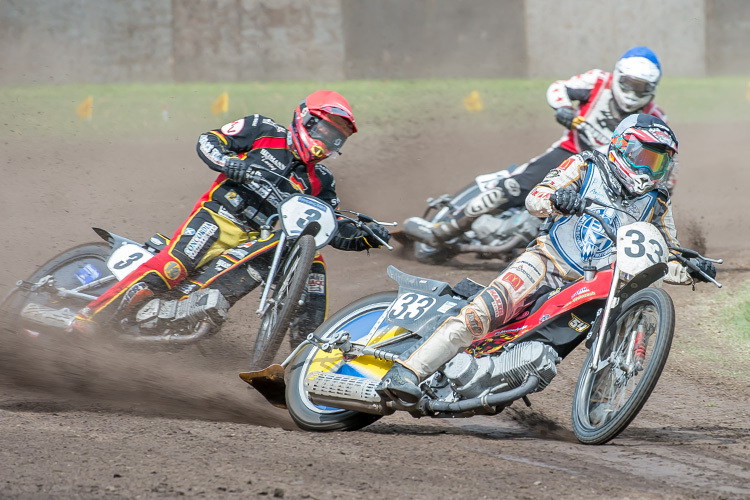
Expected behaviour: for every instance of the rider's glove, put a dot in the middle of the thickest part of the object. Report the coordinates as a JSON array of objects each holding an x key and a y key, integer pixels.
[
  {"x": 381, "y": 232},
  {"x": 705, "y": 266},
  {"x": 568, "y": 201},
  {"x": 565, "y": 116},
  {"x": 236, "y": 170}
]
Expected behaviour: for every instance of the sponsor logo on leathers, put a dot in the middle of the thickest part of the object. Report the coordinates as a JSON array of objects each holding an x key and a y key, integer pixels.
[
  {"x": 198, "y": 241},
  {"x": 473, "y": 322},
  {"x": 486, "y": 201},
  {"x": 270, "y": 160},
  {"x": 512, "y": 187},
  {"x": 514, "y": 280},
  {"x": 171, "y": 270},
  {"x": 233, "y": 128}
]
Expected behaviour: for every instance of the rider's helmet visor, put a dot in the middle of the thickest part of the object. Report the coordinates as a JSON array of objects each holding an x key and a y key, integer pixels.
[{"x": 649, "y": 159}]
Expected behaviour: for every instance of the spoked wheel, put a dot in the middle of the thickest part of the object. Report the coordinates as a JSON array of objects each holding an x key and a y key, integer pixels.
[
  {"x": 82, "y": 268},
  {"x": 283, "y": 301},
  {"x": 633, "y": 354},
  {"x": 430, "y": 255},
  {"x": 357, "y": 318}
]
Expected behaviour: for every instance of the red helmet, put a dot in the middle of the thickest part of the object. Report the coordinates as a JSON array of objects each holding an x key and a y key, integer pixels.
[{"x": 320, "y": 125}]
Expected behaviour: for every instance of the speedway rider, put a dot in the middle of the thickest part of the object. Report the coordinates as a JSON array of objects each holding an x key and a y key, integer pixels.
[
  {"x": 632, "y": 179},
  {"x": 224, "y": 222},
  {"x": 604, "y": 99}
]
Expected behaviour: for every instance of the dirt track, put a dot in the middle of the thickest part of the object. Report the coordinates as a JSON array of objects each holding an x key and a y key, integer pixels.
[{"x": 91, "y": 423}]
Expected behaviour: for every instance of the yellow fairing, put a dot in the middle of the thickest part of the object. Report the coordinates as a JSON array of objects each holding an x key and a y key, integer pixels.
[{"x": 366, "y": 366}]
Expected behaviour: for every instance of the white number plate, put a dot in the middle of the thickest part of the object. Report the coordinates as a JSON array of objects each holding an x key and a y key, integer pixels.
[
  {"x": 299, "y": 210},
  {"x": 125, "y": 259},
  {"x": 410, "y": 306},
  {"x": 639, "y": 246}
]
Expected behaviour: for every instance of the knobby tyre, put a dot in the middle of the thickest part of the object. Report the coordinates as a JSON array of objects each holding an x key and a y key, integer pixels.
[
  {"x": 283, "y": 301},
  {"x": 363, "y": 313},
  {"x": 607, "y": 399}
]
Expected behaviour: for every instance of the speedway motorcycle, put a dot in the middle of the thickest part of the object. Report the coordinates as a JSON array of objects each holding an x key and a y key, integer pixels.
[
  {"x": 331, "y": 381},
  {"x": 499, "y": 236},
  {"x": 46, "y": 303}
]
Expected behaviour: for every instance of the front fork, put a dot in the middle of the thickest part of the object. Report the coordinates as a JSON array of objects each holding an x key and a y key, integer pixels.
[
  {"x": 272, "y": 273},
  {"x": 611, "y": 303}
]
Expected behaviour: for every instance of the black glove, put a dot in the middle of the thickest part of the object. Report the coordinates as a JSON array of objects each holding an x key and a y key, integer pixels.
[
  {"x": 705, "y": 266},
  {"x": 381, "y": 232},
  {"x": 568, "y": 201},
  {"x": 565, "y": 116},
  {"x": 236, "y": 170}
]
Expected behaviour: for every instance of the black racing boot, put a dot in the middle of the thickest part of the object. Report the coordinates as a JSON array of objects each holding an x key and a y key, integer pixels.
[{"x": 401, "y": 382}]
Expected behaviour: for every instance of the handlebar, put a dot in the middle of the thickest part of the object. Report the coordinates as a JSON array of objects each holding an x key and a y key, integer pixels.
[
  {"x": 682, "y": 255},
  {"x": 361, "y": 220}
]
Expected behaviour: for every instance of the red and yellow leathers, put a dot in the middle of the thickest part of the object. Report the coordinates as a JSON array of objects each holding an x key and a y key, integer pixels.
[{"x": 222, "y": 228}]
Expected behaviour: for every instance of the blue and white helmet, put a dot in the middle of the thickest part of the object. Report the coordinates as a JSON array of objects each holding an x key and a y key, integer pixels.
[{"x": 635, "y": 78}]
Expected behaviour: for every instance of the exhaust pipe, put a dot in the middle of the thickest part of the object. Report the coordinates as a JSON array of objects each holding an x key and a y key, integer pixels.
[
  {"x": 346, "y": 392},
  {"x": 62, "y": 318}
]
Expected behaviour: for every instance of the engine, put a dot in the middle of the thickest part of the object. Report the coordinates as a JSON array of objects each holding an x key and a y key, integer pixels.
[
  {"x": 496, "y": 229},
  {"x": 472, "y": 377}
]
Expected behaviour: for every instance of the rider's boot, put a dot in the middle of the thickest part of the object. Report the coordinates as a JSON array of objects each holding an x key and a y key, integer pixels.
[
  {"x": 429, "y": 354},
  {"x": 83, "y": 323},
  {"x": 101, "y": 314},
  {"x": 435, "y": 234},
  {"x": 402, "y": 383}
]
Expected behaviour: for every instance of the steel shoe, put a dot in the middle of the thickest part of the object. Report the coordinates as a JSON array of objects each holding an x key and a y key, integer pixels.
[{"x": 402, "y": 383}]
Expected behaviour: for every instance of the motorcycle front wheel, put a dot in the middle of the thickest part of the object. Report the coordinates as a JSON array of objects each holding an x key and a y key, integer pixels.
[
  {"x": 283, "y": 301},
  {"x": 82, "y": 268},
  {"x": 430, "y": 255},
  {"x": 357, "y": 318},
  {"x": 633, "y": 354}
]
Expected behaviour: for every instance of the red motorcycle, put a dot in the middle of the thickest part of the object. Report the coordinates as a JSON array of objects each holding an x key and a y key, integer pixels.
[{"x": 330, "y": 382}]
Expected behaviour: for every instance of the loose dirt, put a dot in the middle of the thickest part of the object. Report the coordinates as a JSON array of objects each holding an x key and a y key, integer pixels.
[{"x": 93, "y": 421}]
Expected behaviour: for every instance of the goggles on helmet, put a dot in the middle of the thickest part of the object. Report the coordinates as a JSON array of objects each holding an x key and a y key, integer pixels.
[
  {"x": 325, "y": 131},
  {"x": 648, "y": 159},
  {"x": 638, "y": 86}
]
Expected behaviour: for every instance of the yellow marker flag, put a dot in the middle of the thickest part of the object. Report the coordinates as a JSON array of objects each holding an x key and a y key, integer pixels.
[
  {"x": 473, "y": 102},
  {"x": 86, "y": 108},
  {"x": 221, "y": 104}
]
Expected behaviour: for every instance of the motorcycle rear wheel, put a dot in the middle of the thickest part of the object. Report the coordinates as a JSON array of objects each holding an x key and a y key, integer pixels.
[
  {"x": 283, "y": 301},
  {"x": 430, "y": 255},
  {"x": 306, "y": 414},
  {"x": 63, "y": 269},
  {"x": 607, "y": 399}
]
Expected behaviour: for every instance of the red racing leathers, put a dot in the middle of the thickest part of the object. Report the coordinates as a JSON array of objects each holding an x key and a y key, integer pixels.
[
  {"x": 593, "y": 93},
  {"x": 223, "y": 225}
]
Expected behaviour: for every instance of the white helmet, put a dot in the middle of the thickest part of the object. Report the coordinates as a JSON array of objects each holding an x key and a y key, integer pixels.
[{"x": 635, "y": 78}]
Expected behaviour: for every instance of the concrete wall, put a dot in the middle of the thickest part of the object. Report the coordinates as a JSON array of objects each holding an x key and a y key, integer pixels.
[
  {"x": 59, "y": 41},
  {"x": 728, "y": 37},
  {"x": 579, "y": 35},
  {"x": 434, "y": 38},
  {"x": 93, "y": 41}
]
